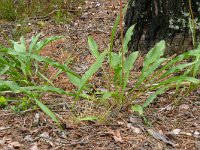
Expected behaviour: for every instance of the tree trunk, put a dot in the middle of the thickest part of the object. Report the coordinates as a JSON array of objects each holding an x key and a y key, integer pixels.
[{"x": 163, "y": 19}]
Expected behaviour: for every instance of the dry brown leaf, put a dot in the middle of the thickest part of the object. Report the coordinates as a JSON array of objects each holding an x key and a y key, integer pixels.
[
  {"x": 34, "y": 147},
  {"x": 116, "y": 135},
  {"x": 161, "y": 137},
  {"x": 44, "y": 135},
  {"x": 14, "y": 145},
  {"x": 184, "y": 107},
  {"x": 2, "y": 142},
  {"x": 134, "y": 129},
  {"x": 28, "y": 138}
]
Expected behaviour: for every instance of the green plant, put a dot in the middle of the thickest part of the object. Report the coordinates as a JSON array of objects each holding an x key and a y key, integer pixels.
[
  {"x": 21, "y": 66},
  {"x": 3, "y": 102},
  {"x": 7, "y": 10},
  {"x": 157, "y": 72},
  {"x": 121, "y": 68},
  {"x": 21, "y": 105},
  {"x": 39, "y": 9},
  {"x": 157, "y": 75},
  {"x": 161, "y": 78},
  {"x": 18, "y": 67}
]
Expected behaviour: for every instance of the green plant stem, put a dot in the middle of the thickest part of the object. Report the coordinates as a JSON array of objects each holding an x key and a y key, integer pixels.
[
  {"x": 193, "y": 23},
  {"x": 122, "y": 50}
]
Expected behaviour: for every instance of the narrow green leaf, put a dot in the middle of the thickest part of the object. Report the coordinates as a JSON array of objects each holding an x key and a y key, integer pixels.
[
  {"x": 46, "y": 110},
  {"x": 114, "y": 29},
  {"x": 177, "y": 68},
  {"x": 151, "y": 69},
  {"x": 138, "y": 109},
  {"x": 125, "y": 81},
  {"x": 45, "y": 78},
  {"x": 115, "y": 60},
  {"x": 19, "y": 47},
  {"x": 181, "y": 57},
  {"x": 73, "y": 76},
  {"x": 93, "y": 47},
  {"x": 152, "y": 97},
  {"x": 9, "y": 85},
  {"x": 117, "y": 75},
  {"x": 180, "y": 79},
  {"x": 23, "y": 43},
  {"x": 113, "y": 32},
  {"x": 33, "y": 43},
  {"x": 106, "y": 95},
  {"x": 196, "y": 69},
  {"x": 89, "y": 118},
  {"x": 128, "y": 65},
  {"x": 90, "y": 72},
  {"x": 127, "y": 38},
  {"x": 46, "y": 41},
  {"x": 153, "y": 55},
  {"x": 4, "y": 69},
  {"x": 46, "y": 89},
  {"x": 3, "y": 102},
  {"x": 86, "y": 96},
  {"x": 74, "y": 79}
]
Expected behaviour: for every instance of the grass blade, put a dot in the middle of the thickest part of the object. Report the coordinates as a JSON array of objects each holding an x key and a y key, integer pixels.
[
  {"x": 177, "y": 68},
  {"x": 151, "y": 69},
  {"x": 9, "y": 85},
  {"x": 152, "y": 97},
  {"x": 4, "y": 69},
  {"x": 180, "y": 79},
  {"x": 89, "y": 118},
  {"x": 46, "y": 41},
  {"x": 179, "y": 58},
  {"x": 46, "y": 110},
  {"x": 46, "y": 89}
]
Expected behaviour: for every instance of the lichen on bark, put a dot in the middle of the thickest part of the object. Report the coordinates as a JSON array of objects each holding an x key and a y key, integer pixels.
[{"x": 161, "y": 19}]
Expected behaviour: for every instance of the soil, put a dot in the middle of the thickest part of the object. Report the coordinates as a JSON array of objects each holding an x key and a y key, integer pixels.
[{"x": 173, "y": 120}]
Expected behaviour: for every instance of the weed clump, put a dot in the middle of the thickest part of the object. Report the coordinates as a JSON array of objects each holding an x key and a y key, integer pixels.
[{"x": 58, "y": 10}]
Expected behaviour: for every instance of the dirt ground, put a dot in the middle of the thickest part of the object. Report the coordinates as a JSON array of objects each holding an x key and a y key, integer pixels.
[{"x": 173, "y": 119}]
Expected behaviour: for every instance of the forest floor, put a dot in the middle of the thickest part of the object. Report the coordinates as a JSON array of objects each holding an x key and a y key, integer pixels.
[{"x": 174, "y": 120}]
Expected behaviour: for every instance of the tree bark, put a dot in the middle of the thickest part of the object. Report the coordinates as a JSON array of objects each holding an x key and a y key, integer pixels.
[{"x": 162, "y": 19}]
